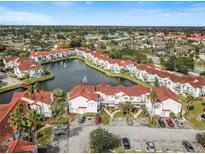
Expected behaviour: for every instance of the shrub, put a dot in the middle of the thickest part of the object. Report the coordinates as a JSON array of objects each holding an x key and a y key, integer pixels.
[
  {"x": 172, "y": 115},
  {"x": 203, "y": 103}
]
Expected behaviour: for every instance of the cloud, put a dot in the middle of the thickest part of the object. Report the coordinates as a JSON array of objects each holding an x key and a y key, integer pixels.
[
  {"x": 173, "y": 14},
  {"x": 89, "y": 2},
  {"x": 22, "y": 17},
  {"x": 64, "y": 3}
]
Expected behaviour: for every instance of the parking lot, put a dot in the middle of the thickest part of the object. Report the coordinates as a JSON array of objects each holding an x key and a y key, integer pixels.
[
  {"x": 123, "y": 122},
  {"x": 165, "y": 140},
  {"x": 163, "y": 146}
]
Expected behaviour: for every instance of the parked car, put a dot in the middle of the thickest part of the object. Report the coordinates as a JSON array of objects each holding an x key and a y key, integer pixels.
[
  {"x": 97, "y": 119},
  {"x": 161, "y": 122},
  {"x": 179, "y": 122},
  {"x": 188, "y": 146},
  {"x": 126, "y": 143},
  {"x": 150, "y": 147},
  {"x": 129, "y": 121},
  {"x": 203, "y": 116},
  {"x": 170, "y": 123},
  {"x": 81, "y": 119}
]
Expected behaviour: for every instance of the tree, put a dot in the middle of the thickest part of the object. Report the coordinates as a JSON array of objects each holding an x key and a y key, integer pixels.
[
  {"x": 156, "y": 82},
  {"x": 172, "y": 115},
  {"x": 126, "y": 107},
  {"x": 27, "y": 78},
  {"x": 200, "y": 137},
  {"x": 58, "y": 94},
  {"x": 36, "y": 87},
  {"x": 189, "y": 101},
  {"x": 102, "y": 141},
  {"x": 153, "y": 98},
  {"x": 33, "y": 122},
  {"x": 170, "y": 63},
  {"x": 76, "y": 42},
  {"x": 16, "y": 118},
  {"x": 202, "y": 73},
  {"x": 58, "y": 108},
  {"x": 31, "y": 90}
]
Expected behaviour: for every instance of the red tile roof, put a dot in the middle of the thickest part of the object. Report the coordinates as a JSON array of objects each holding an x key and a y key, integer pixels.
[
  {"x": 89, "y": 92},
  {"x": 29, "y": 65},
  {"x": 136, "y": 90},
  {"x": 84, "y": 91},
  {"x": 164, "y": 94},
  {"x": 41, "y": 96},
  {"x": 104, "y": 57},
  {"x": 20, "y": 146},
  {"x": 196, "y": 82},
  {"x": 5, "y": 130},
  {"x": 46, "y": 53},
  {"x": 15, "y": 58}
]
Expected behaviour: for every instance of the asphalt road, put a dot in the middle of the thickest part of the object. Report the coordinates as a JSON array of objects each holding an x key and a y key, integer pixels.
[{"x": 79, "y": 136}]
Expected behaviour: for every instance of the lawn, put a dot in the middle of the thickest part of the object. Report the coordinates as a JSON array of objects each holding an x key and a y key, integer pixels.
[
  {"x": 143, "y": 114},
  {"x": 50, "y": 75},
  {"x": 154, "y": 122},
  {"x": 8, "y": 88},
  {"x": 193, "y": 114},
  {"x": 105, "y": 118},
  {"x": 122, "y": 115},
  {"x": 44, "y": 136},
  {"x": 59, "y": 120}
]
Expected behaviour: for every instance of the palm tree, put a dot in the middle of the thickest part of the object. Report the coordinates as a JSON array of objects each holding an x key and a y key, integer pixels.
[
  {"x": 31, "y": 90},
  {"x": 33, "y": 122},
  {"x": 189, "y": 101},
  {"x": 153, "y": 98},
  {"x": 16, "y": 119},
  {"x": 36, "y": 87},
  {"x": 126, "y": 107},
  {"x": 27, "y": 78}
]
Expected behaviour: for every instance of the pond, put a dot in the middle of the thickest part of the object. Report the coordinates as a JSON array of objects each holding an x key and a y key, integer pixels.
[{"x": 70, "y": 73}]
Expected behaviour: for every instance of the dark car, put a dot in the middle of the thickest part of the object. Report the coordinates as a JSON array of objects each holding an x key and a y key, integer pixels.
[
  {"x": 150, "y": 147},
  {"x": 126, "y": 143},
  {"x": 161, "y": 122},
  {"x": 203, "y": 116},
  {"x": 97, "y": 119},
  {"x": 188, "y": 146},
  {"x": 170, "y": 123},
  {"x": 81, "y": 119},
  {"x": 129, "y": 121}
]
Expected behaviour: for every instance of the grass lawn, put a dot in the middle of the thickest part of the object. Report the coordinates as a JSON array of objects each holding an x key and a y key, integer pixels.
[
  {"x": 90, "y": 114},
  {"x": 8, "y": 88},
  {"x": 50, "y": 75},
  {"x": 143, "y": 114},
  {"x": 193, "y": 114},
  {"x": 105, "y": 118},
  {"x": 59, "y": 120},
  {"x": 122, "y": 115},
  {"x": 44, "y": 136},
  {"x": 154, "y": 122}
]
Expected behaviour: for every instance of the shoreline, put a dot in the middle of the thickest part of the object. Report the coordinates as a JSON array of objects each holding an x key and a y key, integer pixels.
[
  {"x": 87, "y": 62},
  {"x": 5, "y": 89}
]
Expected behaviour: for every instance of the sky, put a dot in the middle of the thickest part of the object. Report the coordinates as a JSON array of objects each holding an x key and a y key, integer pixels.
[{"x": 138, "y": 13}]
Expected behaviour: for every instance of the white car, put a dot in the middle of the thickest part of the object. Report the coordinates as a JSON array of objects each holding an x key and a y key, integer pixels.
[{"x": 179, "y": 123}]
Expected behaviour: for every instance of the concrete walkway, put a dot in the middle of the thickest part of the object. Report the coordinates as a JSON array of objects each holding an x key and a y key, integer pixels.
[
  {"x": 109, "y": 113},
  {"x": 137, "y": 114}
]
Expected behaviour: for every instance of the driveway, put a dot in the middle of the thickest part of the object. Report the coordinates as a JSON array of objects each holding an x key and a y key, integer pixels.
[{"x": 164, "y": 139}]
